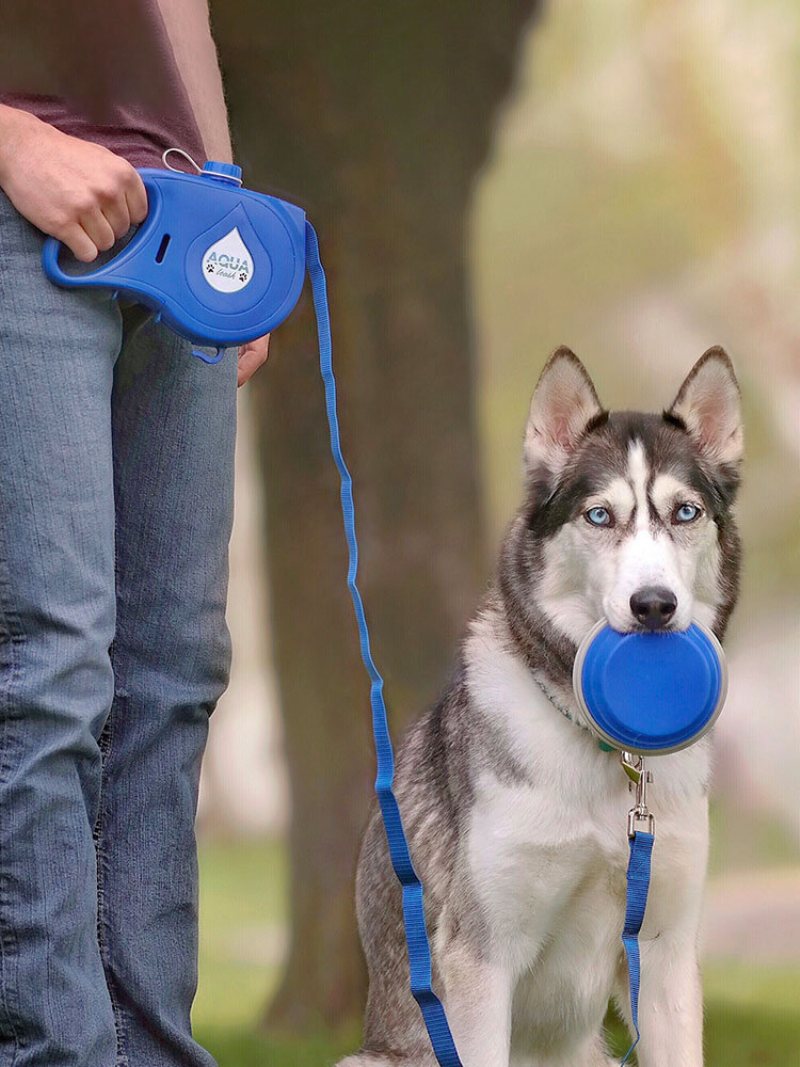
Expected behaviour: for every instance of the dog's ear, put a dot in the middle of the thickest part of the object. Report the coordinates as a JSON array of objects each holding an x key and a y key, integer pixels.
[
  {"x": 563, "y": 407},
  {"x": 708, "y": 406}
]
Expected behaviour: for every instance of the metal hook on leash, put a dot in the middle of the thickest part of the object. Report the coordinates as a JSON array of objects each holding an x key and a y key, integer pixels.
[{"x": 639, "y": 817}]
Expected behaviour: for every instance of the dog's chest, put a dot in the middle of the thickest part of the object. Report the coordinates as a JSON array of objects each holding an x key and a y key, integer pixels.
[
  {"x": 547, "y": 846},
  {"x": 550, "y": 877},
  {"x": 547, "y": 869}
]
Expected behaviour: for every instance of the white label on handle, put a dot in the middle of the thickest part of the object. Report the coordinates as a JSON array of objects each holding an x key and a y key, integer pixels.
[{"x": 227, "y": 264}]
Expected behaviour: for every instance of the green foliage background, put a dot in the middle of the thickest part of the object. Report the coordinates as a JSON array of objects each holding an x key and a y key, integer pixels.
[{"x": 642, "y": 205}]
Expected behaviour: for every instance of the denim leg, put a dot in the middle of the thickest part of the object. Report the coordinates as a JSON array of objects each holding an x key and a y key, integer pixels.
[
  {"x": 57, "y": 614},
  {"x": 174, "y": 427}
]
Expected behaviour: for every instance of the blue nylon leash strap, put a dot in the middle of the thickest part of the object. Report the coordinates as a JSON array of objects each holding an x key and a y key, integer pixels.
[
  {"x": 419, "y": 951},
  {"x": 641, "y": 851}
]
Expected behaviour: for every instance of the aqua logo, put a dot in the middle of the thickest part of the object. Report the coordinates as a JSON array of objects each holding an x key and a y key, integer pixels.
[{"x": 228, "y": 264}]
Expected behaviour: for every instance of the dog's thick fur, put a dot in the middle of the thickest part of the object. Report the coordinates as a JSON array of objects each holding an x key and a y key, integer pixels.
[{"x": 515, "y": 817}]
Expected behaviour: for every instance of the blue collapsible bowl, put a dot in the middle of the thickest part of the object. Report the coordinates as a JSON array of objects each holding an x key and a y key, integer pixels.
[{"x": 650, "y": 693}]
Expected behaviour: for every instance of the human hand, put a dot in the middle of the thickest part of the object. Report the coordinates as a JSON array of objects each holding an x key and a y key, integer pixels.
[
  {"x": 73, "y": 190},
  {"x": 252, "y": 356}
]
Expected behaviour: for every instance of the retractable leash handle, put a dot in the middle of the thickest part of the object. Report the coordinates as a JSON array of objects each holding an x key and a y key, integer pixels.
[
  {"x": 223, "y": 265},
  {"x": 220, "y": 265}
]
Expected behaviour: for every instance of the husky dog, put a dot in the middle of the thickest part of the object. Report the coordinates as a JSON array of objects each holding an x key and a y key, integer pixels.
[{"x": 516, "y": 818}]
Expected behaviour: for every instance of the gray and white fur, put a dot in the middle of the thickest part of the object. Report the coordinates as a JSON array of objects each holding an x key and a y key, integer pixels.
[{"x": 515, "y": 817}]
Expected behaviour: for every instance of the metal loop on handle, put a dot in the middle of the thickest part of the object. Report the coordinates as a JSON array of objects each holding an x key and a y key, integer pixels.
[{"x": 165, "y": 160}]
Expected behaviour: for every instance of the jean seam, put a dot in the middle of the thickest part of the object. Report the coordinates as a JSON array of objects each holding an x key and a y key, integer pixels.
[
  {"x": 8, "y": 939},
  {"x": 106, "y": 745}
]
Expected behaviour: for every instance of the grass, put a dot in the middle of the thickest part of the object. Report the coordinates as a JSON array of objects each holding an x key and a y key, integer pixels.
[
  {"x": 241, "y": 945},
  {"x": 752, "y": 1015},
  {"x": 248, "y": 1049},
  {"x": 242, "y": 926}
]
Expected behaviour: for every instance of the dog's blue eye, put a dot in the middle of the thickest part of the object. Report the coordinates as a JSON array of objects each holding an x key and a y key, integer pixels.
[
  {"x": 687, "y": 513},
  {"x": 599, "y": 516}
]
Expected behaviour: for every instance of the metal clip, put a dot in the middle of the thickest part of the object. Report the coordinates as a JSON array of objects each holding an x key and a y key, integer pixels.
[
  {"x": 632, "y": 765},
  {"x": 639, "y": 817}
]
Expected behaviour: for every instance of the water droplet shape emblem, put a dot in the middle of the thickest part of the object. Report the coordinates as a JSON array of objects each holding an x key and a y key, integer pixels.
[{"x": 228, "y": 263}]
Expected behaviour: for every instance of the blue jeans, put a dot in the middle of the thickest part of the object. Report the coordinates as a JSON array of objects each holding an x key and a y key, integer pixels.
[{"x": 116, "y": 505}]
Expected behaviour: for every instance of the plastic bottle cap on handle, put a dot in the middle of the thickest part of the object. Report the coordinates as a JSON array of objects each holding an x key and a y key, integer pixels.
[{"x": 228, "y": 172}]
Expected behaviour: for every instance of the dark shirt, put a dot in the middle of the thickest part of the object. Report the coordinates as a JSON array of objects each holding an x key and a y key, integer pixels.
[{"x": 102, "y": 70}]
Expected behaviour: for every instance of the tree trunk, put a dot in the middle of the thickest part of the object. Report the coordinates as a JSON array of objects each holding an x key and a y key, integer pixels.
[{"x": 376, "y": 117}]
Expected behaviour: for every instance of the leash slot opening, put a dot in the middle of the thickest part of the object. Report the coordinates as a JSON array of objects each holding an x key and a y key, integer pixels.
[{"x": 162, "y": 248}]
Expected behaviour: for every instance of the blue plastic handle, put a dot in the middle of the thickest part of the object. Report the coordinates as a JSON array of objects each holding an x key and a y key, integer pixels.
[
  {"x": 52, "y": 267},
  {"x": 223, "y": 265},
  {"x": 103, "y": 276}
]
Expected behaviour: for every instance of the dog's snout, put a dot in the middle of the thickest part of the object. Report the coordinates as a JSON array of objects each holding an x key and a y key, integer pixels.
[{"x": 653, "y": 606}]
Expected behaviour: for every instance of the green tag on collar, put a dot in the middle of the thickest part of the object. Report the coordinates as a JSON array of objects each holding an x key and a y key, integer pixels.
[{"x": 604, "y": 747}]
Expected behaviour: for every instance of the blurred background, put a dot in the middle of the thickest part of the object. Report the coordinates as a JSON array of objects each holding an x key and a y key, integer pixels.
[{"x": 621, "y": 177}]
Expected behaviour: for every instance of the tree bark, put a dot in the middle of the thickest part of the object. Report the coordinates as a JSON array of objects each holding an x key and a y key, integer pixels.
[{"x": 376, "y": 117}]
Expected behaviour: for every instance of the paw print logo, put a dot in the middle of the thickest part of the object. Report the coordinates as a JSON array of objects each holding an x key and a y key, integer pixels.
[
  {"x": 209, "y": 268},
  {"x": 243, "y": 276}
]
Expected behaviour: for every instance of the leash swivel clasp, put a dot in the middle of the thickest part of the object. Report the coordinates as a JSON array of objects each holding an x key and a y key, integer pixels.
[{"x": 639, "y": 817}]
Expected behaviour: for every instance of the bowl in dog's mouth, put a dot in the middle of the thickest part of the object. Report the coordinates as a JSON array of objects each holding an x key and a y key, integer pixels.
[{"x": 650, "y": 692}]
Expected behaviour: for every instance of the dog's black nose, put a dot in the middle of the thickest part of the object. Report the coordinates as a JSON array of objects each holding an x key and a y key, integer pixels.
[{"x": 654, "y": 606}]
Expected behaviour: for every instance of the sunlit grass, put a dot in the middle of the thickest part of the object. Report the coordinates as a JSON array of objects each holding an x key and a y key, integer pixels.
[
  {"x": 243, "y": 906},
  {"x": 752, "y": 1015},
  {"x": 242, "y": 930}
]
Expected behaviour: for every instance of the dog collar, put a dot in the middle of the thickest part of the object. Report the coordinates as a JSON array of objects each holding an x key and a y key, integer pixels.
[{"x": 564, "y": 710}]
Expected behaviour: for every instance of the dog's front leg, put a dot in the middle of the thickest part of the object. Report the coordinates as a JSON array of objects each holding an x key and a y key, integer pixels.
[
  {"x": 478, "y": 995},
  {"x": 671, "y": 1003}
]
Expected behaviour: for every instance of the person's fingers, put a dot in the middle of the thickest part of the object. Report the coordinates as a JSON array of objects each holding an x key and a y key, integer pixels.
[
  {"x": 98, "y": 228},
  {"x": 79, "y": 243},
  {"x": 249, "y": 362},
  {"x": 118, "y": 216},
  {"x": 136, "y": 197},
  {"x": 252, "y": 356}
]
